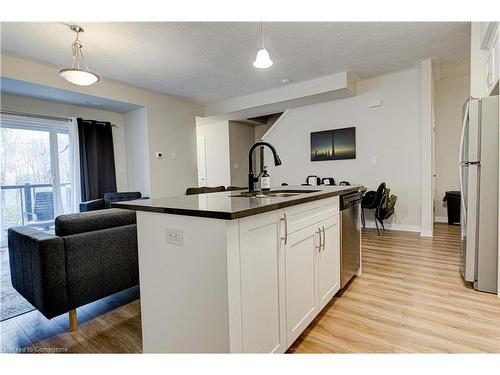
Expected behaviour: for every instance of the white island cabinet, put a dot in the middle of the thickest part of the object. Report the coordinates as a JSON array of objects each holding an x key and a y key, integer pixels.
[{"x": 248, "y": 285}]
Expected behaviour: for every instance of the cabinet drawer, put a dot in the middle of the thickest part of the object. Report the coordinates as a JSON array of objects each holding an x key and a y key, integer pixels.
[{"x": 303, "y": 215}]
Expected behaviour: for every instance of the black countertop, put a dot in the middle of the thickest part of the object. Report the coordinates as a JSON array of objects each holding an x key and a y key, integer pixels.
[{"x": 227, "y": 206}]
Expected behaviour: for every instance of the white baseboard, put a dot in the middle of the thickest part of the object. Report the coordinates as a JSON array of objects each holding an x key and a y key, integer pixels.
[
  {"x": 426, "y": 233},
  {"x": 440, "y": 219},
  {"x": 394, "y": 226}
]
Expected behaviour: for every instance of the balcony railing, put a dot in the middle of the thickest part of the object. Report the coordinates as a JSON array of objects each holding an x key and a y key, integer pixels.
[{"x": 31, "y": 204}]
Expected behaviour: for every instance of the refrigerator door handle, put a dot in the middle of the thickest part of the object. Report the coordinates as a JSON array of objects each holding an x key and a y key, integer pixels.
[{"x": 460, "y": 157}]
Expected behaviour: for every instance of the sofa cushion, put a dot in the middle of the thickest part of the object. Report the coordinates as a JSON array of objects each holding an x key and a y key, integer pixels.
[
  {"x": 82, "y": 222},
  {"x": 119, "y": 197}
]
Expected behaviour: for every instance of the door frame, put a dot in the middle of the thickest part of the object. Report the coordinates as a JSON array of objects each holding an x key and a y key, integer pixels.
[{"x": 201, "y": 159}]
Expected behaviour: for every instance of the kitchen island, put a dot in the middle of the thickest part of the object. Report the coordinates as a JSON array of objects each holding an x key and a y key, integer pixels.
[{"x": 232, "y": 272}]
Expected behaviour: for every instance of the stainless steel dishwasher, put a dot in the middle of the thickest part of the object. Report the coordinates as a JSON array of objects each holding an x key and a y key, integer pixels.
[{"x": 350, "y": 236}]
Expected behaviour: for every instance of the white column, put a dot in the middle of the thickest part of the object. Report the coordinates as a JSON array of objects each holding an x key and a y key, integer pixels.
[{"x": 426, "y": 148}]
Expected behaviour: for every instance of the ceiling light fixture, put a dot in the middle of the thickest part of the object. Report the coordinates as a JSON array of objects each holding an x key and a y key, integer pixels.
[
  {"x": 262, "y": 60},
  {"x": 79, "y": 76}
]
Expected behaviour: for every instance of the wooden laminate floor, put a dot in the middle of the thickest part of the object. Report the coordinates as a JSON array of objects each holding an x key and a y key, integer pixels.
[{"x": 409, "y": 299}]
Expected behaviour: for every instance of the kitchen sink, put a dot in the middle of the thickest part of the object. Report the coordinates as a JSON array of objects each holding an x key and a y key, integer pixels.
[{"x": 273, "y": 194}]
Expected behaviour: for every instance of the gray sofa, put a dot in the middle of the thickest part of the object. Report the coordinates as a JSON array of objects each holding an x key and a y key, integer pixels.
[{"x": 92, "y": 255}]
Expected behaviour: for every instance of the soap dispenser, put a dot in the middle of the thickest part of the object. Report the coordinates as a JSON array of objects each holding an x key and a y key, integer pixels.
[{"x": 265, "y": 180}]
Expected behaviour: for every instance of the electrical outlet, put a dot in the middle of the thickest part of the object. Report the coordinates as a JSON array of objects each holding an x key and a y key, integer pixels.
[{"x": 174, "y": 236}]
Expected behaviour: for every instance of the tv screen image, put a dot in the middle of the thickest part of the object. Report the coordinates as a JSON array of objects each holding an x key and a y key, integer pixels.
[{"x": 335, "y": 144}]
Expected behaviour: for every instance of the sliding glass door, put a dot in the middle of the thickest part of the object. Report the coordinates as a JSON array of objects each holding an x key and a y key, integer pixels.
[{"x": 35, "y": 174}]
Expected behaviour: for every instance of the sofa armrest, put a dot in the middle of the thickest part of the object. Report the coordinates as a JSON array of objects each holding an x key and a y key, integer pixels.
[
  {"x": 38, "y": 269},
  {"x": 96, "y": 204}
]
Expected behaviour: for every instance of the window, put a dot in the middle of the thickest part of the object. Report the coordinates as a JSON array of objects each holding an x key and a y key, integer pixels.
[{"x": 35, "y": 173}]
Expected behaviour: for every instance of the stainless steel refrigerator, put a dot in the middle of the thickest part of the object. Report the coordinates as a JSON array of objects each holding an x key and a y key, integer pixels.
[{"x": 479, "y": 156}]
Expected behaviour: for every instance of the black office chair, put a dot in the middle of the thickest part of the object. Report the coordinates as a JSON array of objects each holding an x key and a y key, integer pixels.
[
  {"x": 386, "y": 207},
  {"x": 371, "y": 201}
]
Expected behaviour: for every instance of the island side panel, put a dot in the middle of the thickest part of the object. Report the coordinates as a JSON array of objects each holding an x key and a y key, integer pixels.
[
  {"x": 184, "y": 294},
  {"x": 234, "y": 286}
]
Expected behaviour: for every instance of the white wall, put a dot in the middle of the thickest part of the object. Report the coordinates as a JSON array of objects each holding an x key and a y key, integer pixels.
[
  {"x": 241, "y": 138},
  {"x": 50, "y": 108},
  {"x": 226, "y": 148},
  {"x": 451, "y": 94},
  {"x": 216, "y": 153},
  {"x": 260, "y": 130},
  {"x": 389, "y": 133},
  {"x": 137, "y": 146},
  {"x": 330, "y": 87},
  {"x": 170, "y": 122}
]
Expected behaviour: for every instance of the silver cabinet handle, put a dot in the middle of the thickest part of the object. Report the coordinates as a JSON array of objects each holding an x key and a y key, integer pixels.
[
  {"x": 320, "y": 240},
  {"x": 286, "y": 228},
  {"x": 324, "y": 239},
  {"x": 319, "y": 235}
]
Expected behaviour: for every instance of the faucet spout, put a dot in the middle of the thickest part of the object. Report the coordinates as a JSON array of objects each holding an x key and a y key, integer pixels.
[{"x": 251, "y": 178}]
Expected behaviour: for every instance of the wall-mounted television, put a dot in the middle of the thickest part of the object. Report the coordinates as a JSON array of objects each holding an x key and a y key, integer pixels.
[{"x": 335, "y": 144}]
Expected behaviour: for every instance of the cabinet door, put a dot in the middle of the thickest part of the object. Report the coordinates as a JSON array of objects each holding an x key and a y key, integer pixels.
[
  {"x": 329, "y": 261},
  {"x": 492, "y": 67},
  {"x": 262, "y": 277},
  {"x": 300, "y": 279}
]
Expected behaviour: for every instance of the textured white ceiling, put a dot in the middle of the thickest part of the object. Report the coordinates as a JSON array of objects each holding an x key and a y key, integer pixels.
[{"x": 205, "y": 62}]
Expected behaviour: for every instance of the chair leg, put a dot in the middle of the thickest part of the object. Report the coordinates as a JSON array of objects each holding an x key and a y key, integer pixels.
[
  {"x": 376, "y": 224},
  {"x": 73, "y": 320},
  {"x": 363, "y": 217},
  {"x": 382, "y": 223}
]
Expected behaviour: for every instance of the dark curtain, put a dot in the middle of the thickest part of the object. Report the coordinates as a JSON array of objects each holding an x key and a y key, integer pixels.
[{"x": 97, "y": 162}]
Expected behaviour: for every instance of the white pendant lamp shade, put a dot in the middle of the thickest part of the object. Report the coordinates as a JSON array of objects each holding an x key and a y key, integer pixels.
[
  {"x": 76, "y": 75},
  {"x": 262, "y": 61}
]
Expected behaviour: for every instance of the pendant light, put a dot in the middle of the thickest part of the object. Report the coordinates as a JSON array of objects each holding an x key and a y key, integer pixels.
[
  {"x": 262, "y": 60},
  {"x": 79, "y": 73}
]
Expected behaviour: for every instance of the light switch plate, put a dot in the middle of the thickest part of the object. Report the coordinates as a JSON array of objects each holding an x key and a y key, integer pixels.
[{"x": 174, "y": 236}]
